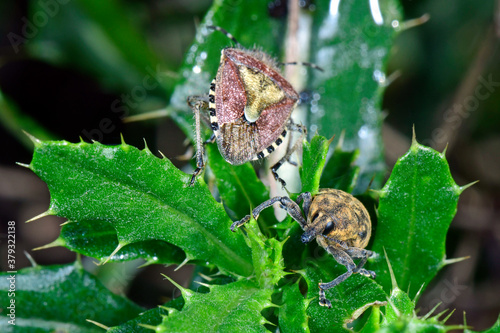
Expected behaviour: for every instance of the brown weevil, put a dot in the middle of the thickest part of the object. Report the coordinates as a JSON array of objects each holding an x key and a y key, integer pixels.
[
  {"x": 338, "y": 221},
  {"x": 250, "y": 104}
]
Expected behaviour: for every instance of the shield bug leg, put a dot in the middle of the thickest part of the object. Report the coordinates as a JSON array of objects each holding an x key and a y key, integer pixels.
[
  {"x": 198, "y": 103},
  {"x": 290, "y": 150}
]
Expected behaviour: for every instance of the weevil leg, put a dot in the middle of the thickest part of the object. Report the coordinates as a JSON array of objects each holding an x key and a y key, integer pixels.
[
  {"x": 344, "y": 259},
  {"x": 307, "y": 197},
  {"x": 362, "y": 254},
  {"x": 197, "y": 103},
  {"x": 286, "y": 203},
  {"x": 289, "y": 151}
]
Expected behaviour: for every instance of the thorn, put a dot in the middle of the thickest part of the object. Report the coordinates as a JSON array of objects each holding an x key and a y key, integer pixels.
[
  {"x": 57, "y": 242},
  {"x": 392, "y": 77},
  {"x": 162, "y": 156},
  {"x": 391, "y": 272},
  {"x": 414, "y": 137},
  {"x": 417, "y": 295},
  {"x": 150, "y": 327},
  {"x": 444, "y": 150},
  {"x": 146, "y": 148},
  {"x": 341, "y": 139},
  {"x": 122, "y": 140},
  {"x": 98, "y": 324},
  {"x": 118, "y": 248},
  {"x": 205, "y": 277},
  {"x": 182, "y": 264},
  {"x": 30, "y": 259},
  {"x": 35, "y": 141},
  {"x": 160, "y": 113},
  {"x": 331, "y": 140},
  {"x": 203, "y": 284},
  {"x": 441, "y": 313},
  {"x": 448, "y": 316},
  {"x": 463, "y": 188},
  {"x": 415, "y": 22},
  {"x": 28, "y": 166},
  {"x": 431, "y": 312},
  {"x": 454, "y": 260},
  {"x": 46, "y": 213},
  {"x": 186, "y": 293}
]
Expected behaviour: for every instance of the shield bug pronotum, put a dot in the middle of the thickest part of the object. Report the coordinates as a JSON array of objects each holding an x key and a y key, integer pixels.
[
  {"x": 249, "y": 104},
  {"x": 338, "y": 221}
]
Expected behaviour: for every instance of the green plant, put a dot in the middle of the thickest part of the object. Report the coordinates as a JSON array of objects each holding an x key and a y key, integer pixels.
[{"x": 123, "y": 203}]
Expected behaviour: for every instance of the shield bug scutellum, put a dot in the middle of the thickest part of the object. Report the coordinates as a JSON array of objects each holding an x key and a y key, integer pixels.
[{"x": 249, "y": 104}]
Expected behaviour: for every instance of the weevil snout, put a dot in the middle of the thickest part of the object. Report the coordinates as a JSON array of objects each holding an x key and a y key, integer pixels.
[{"x": 308, "y": 236}]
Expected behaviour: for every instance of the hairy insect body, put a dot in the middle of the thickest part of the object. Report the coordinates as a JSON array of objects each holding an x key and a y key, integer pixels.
[
  {"x": 249, "y": 104},
  {"x": 338, "y": 221},
  {"x": 252, "y": 105}
]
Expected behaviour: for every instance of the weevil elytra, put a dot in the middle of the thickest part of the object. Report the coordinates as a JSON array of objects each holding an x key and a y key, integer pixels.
[
  {"x": 338, "y": 221},
  {"x": 249, "y": 105}
]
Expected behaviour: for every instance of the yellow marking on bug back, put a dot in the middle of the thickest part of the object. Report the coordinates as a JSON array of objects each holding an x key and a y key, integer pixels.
[{"x": 261, "y": 92}]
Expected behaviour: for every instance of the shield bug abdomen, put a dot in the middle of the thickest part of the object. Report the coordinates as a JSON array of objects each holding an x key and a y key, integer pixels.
[
  {"x": 341, "y": 216},
  {"x": 249, "y": 104}
]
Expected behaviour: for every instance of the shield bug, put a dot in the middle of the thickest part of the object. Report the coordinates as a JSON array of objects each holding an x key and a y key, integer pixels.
[
  {"x": 338, "y": 221},
  {"x": 249, "y": 106}
]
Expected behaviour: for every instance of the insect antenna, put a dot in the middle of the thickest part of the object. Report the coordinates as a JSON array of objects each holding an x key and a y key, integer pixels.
[
  {"x": 227, "y": 34},
  {"x": 307, "y": 64}
]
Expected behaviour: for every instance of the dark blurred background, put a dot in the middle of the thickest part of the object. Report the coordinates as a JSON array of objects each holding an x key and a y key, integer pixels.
[{"x": 447, "y": 86}]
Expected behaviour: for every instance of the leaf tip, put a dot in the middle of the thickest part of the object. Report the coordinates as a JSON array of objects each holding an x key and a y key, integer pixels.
[
  {"x": 463, "y": 188},
  {"x": 185, "y": 261},
  {"x": 27, "y": 166},
  {"x": 98, "y": 324},
  {"x": 39, "y": 216},
  {"x": 36, "y": 141},
  {"x": 186, "y": 293},
  {"x": 115, "y": 251},
  {"x": 57, "y": 242},
  {"x": 341, "y": 139},
  {"x": 391, "y": 272},
  {"x": 414, "y": 143},
  {"x": 454, "y": 260}
]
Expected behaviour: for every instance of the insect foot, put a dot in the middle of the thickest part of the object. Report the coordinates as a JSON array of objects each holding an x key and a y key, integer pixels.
[
  {"x": 249, "y": 106},
  {"x": 338, "y": 221}
]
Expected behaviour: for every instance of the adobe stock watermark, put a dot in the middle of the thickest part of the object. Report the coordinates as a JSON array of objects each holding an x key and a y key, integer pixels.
[
  {"x": 449, "y": 291},
  {"x": 455, "y": 115},
  {"x": 39, "y": 19},
  {"x": 127, "y": 101}
]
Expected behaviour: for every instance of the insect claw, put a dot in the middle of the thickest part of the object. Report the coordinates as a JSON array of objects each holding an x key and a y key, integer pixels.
[{"x": 239, "y": 223}]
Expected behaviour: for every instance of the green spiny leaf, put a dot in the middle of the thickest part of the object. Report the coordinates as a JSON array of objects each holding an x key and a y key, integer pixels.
[
  {"x": 61, "y": 298},
  {"x": 234, "y": 307},
  {"x": 145, "y": 198},
  {"x": 417, "y": 205},
  {"x": 98, "y": 239},
  {"x": 354, "y": 293},
  {"x": 292, "y": 313}
]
